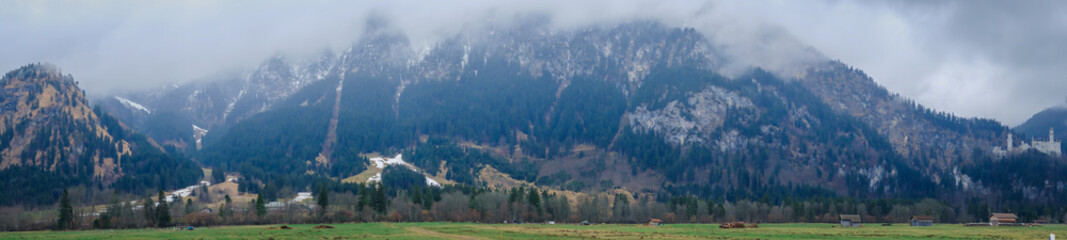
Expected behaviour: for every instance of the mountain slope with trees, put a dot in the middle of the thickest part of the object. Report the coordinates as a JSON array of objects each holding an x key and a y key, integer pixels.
[
  {"x": 52, "y": 140},
  {"x": 595, "y": 107}
]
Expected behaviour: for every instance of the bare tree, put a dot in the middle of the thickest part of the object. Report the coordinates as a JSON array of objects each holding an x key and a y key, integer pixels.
[{"x": 453, "y": 207}]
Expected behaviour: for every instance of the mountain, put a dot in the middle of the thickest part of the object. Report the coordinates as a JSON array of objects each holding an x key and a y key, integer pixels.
[
  {"x": 638, "y": 106},
  {"x": 50, "y": 139},
  {"x": 182, "y": 115},
  {"x": 929, "y": 140}
]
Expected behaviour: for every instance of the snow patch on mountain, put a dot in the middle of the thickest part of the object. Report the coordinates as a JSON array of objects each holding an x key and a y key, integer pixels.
[
  {"x": 198, "y": 130},
  {"x": 431, "y": 182},
  {"x": 185, "y": 192},
  {"x": 233, "y": 103},
  {"x": 198, "y": 135},
  {"x": 376, "y": 178},
  {"x": 380, "y": 162},
  {"x": 132, "y": 104}
]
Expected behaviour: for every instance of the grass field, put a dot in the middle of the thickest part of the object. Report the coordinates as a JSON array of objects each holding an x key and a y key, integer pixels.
[{"x": 426, "y": 231}]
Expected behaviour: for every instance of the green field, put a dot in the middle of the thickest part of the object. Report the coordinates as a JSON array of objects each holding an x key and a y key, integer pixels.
[{"x": 425, "y": 231}]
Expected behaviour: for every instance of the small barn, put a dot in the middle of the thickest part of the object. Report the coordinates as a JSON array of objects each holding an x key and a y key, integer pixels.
[
  {"x": 655, "y": 222},
  {"x": 1002, "y": 218},
  {"x": 922, "y": 221},
  {"x": 850, "y": 220}
]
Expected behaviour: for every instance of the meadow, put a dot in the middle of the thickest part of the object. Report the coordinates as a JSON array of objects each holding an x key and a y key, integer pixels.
[{"x": 425, "y": 231}]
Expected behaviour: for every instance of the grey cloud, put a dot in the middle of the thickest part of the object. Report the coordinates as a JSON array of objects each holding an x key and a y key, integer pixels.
[
  {"x": 997, "y": 59},
  {"x": 991, "y": 59},
  {"x": 123, "y": 45},
  {"x": 1025, "y": 38}
]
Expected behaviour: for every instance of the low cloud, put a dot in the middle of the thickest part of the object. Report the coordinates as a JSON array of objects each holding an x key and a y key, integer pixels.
[{"x": 993, "y": 59}]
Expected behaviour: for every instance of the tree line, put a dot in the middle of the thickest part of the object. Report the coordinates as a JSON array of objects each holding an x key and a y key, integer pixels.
[{"x": 338, "y": 203}]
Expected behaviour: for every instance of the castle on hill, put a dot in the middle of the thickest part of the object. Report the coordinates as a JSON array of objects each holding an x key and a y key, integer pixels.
[{"x": 1050, "y": 147}]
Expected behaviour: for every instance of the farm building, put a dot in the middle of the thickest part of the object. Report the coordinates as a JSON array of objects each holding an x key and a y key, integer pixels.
[
  {"x": 655, "y": 222},
  {"x": 850, "y": 220},
  {"x": 1005, "y": 218},
  {"x": 922, "y": 221}
]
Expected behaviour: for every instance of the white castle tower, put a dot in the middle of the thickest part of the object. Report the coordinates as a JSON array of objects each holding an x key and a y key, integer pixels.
[{"x": 1011, "y": 141}]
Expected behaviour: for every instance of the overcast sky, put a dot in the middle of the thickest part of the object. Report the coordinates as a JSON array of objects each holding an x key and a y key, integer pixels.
[{"x": 993, "y": 59}]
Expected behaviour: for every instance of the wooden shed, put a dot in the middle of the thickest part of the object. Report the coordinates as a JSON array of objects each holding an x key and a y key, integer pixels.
[
  {"x": 850, "y": 220},
  {"x": 655, "y": 222},
  {"x": 999, "y": 218},
  {"x": 922, "y": 221}
]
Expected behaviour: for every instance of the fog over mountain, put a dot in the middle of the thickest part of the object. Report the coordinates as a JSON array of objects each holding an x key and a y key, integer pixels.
[{"x": 985, "y": 59}]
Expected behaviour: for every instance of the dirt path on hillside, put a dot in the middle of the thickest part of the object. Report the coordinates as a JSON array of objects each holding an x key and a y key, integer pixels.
[
  {"x": 331, "y": 132},
  {"x": 424, "y": 232}
]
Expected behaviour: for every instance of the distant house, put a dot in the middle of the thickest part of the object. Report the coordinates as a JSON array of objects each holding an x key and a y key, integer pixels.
[
  {"x": 1002, "y": 218},
  {"x": 922, "y": 221},
  {"x": 850, "y": 220},
  {"x": 655, "y": 222},
  {"x": 274, "y": 205}
]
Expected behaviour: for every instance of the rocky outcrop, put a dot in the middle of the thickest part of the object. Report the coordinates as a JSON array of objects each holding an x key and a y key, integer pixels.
[{"x": 692, "y": 121}]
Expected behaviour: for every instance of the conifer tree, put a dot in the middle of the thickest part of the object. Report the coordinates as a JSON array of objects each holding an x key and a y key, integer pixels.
[
  {"x": 149, "y": 210},
  {"x": 364, "y": 197},
  {"x": 189, "y": 206},
  {"x": 162, "y": 211},
  {"x": 378, "y": 200},
  {"x": 534, "y": 198},
  {"x": 224, "y": 210},
  {"x": 323, "y": 200},
  {"x": 66, "y": 212},
  {"x": 218, "y": 176},
  {"x": 261, "y": 208}
]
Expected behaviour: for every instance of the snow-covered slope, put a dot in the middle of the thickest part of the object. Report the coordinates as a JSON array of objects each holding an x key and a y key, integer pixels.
[
  {"x": 379, "y": 163},
  {"x": 132, "y": 104}
]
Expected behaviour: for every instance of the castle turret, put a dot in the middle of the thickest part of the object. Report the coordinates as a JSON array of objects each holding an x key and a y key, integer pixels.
[
  {"x": 1050, "y": 135},
  {"x": 1011, "y": 141}
]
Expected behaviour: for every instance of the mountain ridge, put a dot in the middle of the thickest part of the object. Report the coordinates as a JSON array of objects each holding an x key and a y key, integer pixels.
[
  {"x": 639, "y": 106},
  {"x": 620, "y": 60}
]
